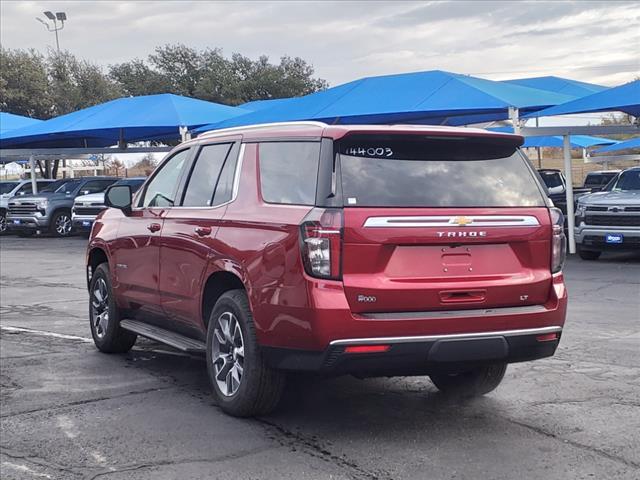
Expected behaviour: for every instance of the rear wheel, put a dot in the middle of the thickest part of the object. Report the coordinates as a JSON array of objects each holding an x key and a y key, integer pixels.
[
  {"x": 472, "y": 383},
  {"x": 61, "y": 224},
  {"x": 104, "y": 315},
  {"x": 3, "y": 223},
  {"x": 242, "y": 382},
  {"x": 589, "y": 254}
]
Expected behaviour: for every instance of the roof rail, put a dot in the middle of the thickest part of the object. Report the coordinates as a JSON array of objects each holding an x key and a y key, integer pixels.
[{"x": 224, "y": 131}]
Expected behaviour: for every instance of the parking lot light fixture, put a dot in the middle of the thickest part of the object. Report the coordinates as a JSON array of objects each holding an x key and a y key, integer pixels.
[{"x": 58, "y": 17}]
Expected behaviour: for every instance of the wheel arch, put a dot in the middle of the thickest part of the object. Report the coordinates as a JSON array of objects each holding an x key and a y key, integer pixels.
[
  {"x": 95, "y": 256},
  {"x": 217, "y": 283}
]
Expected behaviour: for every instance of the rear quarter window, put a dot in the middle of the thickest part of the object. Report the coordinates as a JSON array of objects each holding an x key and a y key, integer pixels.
[{"x": 289, "y": 172}]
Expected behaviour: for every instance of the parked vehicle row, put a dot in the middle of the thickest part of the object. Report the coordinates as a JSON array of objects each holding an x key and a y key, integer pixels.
[
  {"x": 556, "y": 184},
  {"x": 364, "y": 250},
  {"x": 87, "y": 207},
  {"x": 17, "y": 188},
  {"x": 610, "y": 220},
  {"x": 53, "y": 209}
]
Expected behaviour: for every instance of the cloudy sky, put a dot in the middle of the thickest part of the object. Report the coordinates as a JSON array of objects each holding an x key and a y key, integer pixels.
[{"x": 592, "y": 41}]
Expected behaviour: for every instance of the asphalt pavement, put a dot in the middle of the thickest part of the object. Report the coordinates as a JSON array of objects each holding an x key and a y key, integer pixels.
[{"x": 70, "y": 412}]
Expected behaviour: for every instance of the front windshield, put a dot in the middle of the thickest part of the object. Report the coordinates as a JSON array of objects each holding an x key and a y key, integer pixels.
[
  {"x": 62, "y": 186},
  {"x": 53, "y": 186},
  {"x": 6, "y": 187},
  {"x": 68, "y": 187},
  {"x": 627, "y": 181},
  {"x": 551, "y": 179},
  {"x": 134, "y": 183}
]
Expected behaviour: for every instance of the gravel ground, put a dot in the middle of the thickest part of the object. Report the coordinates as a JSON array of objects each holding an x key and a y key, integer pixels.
[{"x": 70, "y": 412}]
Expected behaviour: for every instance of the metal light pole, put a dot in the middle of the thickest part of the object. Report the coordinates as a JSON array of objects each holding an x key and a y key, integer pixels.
[{"x": 58, "y": 17}]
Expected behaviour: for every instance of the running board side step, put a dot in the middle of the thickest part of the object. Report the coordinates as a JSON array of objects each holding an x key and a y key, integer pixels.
[{"x": 167, "y": 337}]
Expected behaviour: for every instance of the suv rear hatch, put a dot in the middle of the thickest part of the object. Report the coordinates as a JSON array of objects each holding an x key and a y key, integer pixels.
[{"x": 441, "y": 223}]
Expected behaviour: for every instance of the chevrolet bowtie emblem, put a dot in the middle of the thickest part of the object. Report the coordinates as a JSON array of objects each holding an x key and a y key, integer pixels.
[{"x": 461, "y": 221}]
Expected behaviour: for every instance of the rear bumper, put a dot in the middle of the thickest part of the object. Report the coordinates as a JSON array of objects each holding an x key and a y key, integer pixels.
[
  {"x": 421, "y": 355},
  {"x": 316, "y": 337}
]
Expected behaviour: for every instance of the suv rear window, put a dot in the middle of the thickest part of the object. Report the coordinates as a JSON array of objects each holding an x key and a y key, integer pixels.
[
  {"x": 436, "y": 172},
  {"x": 289, "y": 172}
]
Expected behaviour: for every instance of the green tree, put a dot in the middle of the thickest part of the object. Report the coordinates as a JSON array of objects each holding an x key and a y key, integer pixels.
[
  {"x": 136, "y": 78},
  {"x": 24, "y": 84},
  {"x": 75, "y": 84}
]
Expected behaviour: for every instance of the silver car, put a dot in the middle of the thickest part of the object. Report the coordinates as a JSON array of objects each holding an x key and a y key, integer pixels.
[
  {"x": 610, "y": 219},
  {"x": 15, "y": 188},
  {"x": 87, "y": 207}
]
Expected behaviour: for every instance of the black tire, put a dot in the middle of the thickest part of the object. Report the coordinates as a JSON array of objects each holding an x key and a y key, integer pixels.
[
  {"x": 260, "y": 387},
  {"x": 3, "y": 223},
  {"x": 472, "y": 383},
  {"x": 589, "y": 254},
  {"x": 109, "y": 338},
  {"x": 56, "y": 227}
]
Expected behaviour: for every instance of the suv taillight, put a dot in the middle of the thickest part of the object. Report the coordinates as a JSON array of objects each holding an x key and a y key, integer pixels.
[
  {"x": 321, "y": 235},
  {"x": 558, "y": 240}
]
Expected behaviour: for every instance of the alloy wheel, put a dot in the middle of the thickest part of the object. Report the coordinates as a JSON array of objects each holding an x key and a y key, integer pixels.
[
  {"x": 228, "y": 354},
  {"x": 100, "y": 308},
  {"x": 3, "y": 224},
  {"x": 63, "y": 225}
]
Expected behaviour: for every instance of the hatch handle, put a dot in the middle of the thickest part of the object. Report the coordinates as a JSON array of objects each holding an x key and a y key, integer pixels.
[{"x": 463, "y": 296}]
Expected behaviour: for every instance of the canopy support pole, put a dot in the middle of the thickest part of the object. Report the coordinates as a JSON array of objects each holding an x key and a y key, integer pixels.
[
  {"x": 514, "y": 115},
  {"x": 32, "y": 166},
  {"x": 539, "y": 149},
  {"x": 569, "y": 192}
]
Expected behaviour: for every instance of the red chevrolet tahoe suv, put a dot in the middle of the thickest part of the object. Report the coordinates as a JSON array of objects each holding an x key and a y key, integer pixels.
[{"x": 364, "y": 250}]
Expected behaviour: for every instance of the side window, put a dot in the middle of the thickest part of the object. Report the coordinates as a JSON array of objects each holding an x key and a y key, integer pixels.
[
  {"x": 289, "y": 172},
  {"x": 95, "y": 186},
  {"x": 160, "y": 191},
  {"x": 224, "y": 188},
  {"x": 204, "y": 175},
  {"x": 26, "y": 188}
]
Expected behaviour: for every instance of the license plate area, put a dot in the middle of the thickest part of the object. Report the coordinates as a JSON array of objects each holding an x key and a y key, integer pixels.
[
  {"x": 614, "y": 238},
  {"x": 86, "y": 223},
  {"x": 464, "y": 350},
  {"x": 16, "y": 222}
]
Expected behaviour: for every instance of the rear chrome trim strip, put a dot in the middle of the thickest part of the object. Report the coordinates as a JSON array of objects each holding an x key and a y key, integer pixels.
[
  {"x": 455, "y": 336},
  {"x": 453, "y": 221},
  {"x": 484, "y": 312}
]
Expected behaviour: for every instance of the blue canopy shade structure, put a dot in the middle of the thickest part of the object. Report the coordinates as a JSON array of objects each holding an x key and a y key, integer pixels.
[
  {"x": 130, "y": 119},
  {"x": 625, "y": 98},
  {"x": 432, "y": 97},
  {"x": 9, "y": 121},
  {"x": 262, "y": 104},
  {"x": 576, "y": 141},
  {"x": 632, "y": 144},
  {"x": 565, "y": 86}
]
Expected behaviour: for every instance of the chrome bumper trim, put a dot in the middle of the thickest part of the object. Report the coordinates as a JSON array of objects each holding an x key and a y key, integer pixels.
[
  {"x": 454, "y": 336},
  {"x": 475, "y": 312}
]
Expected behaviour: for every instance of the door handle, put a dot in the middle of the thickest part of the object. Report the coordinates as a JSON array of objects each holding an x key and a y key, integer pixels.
[
  {"x": 203, "y": 231},
  {"x": 154, "y": 227}
]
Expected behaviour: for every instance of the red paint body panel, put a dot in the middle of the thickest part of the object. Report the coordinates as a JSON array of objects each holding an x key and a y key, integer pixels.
[{"x": 404, "y": 268}]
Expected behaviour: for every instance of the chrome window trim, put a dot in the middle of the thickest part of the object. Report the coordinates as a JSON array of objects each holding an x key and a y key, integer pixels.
[
  {"x": 234, "y": 191},
  {"x": 226, "y": 131},
  {"x": 450, "y": 221},
  {"x": 455, "y": 336}
]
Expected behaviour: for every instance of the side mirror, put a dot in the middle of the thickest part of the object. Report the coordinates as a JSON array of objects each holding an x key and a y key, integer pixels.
[{"x": 118, "y": 196}]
